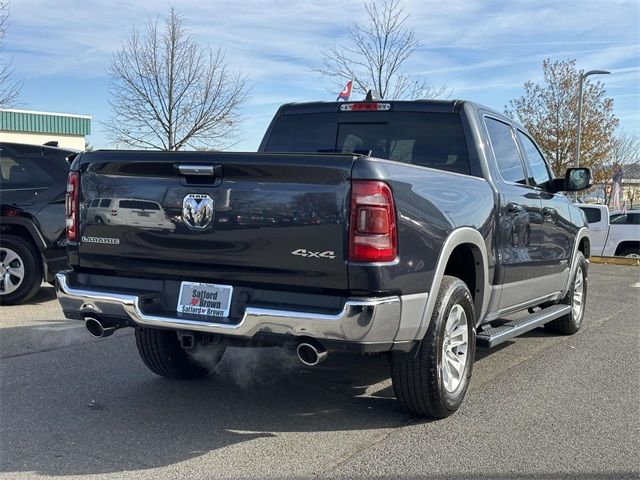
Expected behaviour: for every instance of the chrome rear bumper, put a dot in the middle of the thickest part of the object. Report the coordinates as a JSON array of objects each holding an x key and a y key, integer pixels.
[{"x": 362, "y": 320}]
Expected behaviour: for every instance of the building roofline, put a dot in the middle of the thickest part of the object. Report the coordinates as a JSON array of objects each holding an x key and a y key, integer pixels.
[{"x": 35, "y": 112}]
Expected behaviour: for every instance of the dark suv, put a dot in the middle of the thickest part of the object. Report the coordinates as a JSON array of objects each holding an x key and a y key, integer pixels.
[{"x": 33, "y": 181}]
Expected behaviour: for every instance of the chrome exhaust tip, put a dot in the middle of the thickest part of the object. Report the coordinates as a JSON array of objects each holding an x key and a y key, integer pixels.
[
  {"x": 310, "y": 354},
  {"x": 97, "y": 329}
]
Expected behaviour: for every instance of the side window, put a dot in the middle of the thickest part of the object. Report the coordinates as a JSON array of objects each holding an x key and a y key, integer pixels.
[
  {"x": 13, "y": 173},
  {"x": 626, "y": 219},
  {"x": 139, "y": 205},
  {"x": 506, "y": 151},
  {"x": 594, "y": 215},
  {"x": 22, "y": 172},
  {"x": 535, "y": 161},
  {"x": 633, "y": 219},
  {"x": 94, "y": 203},
  {"x": 104, "y": 203}
]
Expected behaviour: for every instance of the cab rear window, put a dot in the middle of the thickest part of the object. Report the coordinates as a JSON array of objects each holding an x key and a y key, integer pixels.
[{"x": 434, "y": 140}]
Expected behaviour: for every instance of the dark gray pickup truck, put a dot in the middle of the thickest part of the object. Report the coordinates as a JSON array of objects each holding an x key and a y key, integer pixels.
[{"x": 410, "y": 228}]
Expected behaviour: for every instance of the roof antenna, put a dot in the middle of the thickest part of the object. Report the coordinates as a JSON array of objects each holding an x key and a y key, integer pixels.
[{"x": 371, "y": 96}]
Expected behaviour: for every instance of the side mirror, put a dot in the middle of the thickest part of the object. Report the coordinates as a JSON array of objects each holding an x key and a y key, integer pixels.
[{"x": 577, "y": 179}]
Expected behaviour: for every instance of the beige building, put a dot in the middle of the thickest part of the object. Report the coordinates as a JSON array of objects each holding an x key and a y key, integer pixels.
[{"x": 38, "y": 128}]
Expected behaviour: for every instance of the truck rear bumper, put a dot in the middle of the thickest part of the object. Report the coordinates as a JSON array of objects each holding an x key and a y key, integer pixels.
[{"x": 371, "y": 322}]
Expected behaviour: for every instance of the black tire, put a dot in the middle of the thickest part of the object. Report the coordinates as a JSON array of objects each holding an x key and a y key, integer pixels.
[
  {"x": 630, "y": 252},
  {"x": 417, "y": 376},
  {"x": 571, "y": 323},
  {"x": 99, "y": 221},
  {"x": 29, "y": 259},
  {"x": 161, "y": 352}
]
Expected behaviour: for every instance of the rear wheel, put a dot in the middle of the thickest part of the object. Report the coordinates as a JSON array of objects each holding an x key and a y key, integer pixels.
[
  {"x": 432, "y": 380},
  {"x": 577, "y": 298},
  {"x": 630, "y": 253},
  {"x": 20, "y": 270},
  {"x": 161, "y": 352}
]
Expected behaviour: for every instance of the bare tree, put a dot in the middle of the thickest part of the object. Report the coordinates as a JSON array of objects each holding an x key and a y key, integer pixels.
[
  {"x": 625, "y": 155},
  {"x": 375, "y": 54},
  {"x": 549, "y": 111},
  {"x": 9, "y": 88},
  {"x": 624, "y": 152},
  {"x": 168, "y": 92}
]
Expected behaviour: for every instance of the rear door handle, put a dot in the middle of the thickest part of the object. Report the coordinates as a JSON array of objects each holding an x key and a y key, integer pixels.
[{"x": 514, "y": 208}]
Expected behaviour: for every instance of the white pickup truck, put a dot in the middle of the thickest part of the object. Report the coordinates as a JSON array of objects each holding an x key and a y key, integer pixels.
[{"x": 615, "y": 234}]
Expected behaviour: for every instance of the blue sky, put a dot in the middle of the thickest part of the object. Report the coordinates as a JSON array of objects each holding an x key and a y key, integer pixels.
[{"x": 482, "y": 51}]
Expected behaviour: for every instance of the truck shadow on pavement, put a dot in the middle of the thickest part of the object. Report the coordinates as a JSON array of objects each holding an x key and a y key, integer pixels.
[
  {"x": 93, "y": 408},
  {"x": 45, "y": 294}
]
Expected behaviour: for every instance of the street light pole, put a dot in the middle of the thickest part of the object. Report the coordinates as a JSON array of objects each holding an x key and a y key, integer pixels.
[
  {"x": 580, "y": 85},
  {"x": 579, "y": 130}
]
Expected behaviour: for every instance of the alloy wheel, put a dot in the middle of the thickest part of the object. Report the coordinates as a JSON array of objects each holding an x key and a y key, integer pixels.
[
  {"x": 578, "y": 294},
  {"x": 455, "y": 348},
  {"x": 11, "y": 271}
]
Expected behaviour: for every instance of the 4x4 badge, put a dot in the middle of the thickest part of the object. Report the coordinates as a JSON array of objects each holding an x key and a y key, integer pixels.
[
  {"x": 197, "y": 211},
  {"x": 301, "y": 252}
]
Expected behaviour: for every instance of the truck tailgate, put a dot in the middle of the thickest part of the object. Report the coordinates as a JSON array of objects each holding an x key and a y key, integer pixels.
[{"x": 272, "y": 219}]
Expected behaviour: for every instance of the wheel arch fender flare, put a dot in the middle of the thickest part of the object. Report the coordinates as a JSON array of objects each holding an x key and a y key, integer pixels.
[
  {"x": 460, "y": 236},
  {"x": 582, "y": 233},
  {"x": 35, "y": 236}
]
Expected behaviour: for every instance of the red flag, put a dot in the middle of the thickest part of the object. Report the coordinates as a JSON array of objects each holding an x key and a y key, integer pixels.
[{"x": 345, "y": 94}]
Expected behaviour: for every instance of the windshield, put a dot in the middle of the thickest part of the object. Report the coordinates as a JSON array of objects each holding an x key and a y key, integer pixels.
[{"x": 433, "y": 140}]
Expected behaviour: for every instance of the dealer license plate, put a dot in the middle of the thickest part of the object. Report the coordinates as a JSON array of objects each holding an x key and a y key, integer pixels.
[{"x": 205, "y": 299}]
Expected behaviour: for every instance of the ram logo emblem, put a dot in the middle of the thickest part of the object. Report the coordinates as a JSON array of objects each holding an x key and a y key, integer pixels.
[{"x": 197, "y": 211}]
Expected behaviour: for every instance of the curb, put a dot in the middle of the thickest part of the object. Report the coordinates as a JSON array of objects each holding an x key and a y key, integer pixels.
[{"x": 616, "y": 260}]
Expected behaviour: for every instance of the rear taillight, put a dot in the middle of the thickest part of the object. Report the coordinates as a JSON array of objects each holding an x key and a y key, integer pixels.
[
  {"x": 372, "y": 226},
  {"x": 71, "y": 206}
]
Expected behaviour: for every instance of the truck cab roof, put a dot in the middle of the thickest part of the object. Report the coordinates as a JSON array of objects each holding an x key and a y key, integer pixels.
[{"x": 426, "y": 105}]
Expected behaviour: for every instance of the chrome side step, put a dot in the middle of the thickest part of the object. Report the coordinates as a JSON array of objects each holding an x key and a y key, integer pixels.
[{"x": 491, "y": 337}]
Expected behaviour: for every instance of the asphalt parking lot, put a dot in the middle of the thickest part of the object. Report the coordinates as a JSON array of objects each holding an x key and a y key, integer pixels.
[{"x": 541, "y": 406}]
